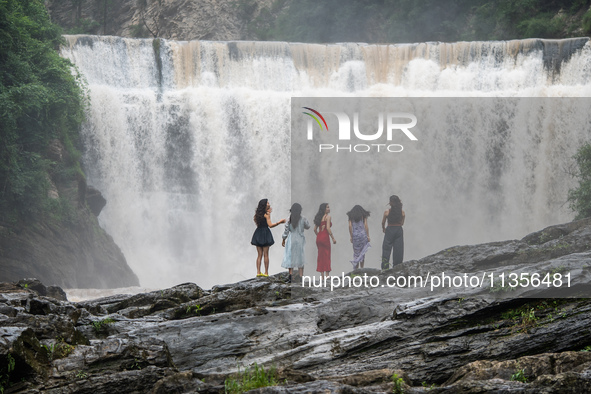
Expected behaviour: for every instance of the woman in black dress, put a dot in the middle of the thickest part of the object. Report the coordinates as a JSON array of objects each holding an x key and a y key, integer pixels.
[{"x": 262, "y": 237}]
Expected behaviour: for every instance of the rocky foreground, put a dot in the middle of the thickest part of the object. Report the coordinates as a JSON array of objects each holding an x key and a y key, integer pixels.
[{"x": 186, "y": 339}]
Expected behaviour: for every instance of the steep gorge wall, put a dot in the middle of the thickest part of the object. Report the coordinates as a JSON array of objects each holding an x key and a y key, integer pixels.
[
  {"x": 175, "y": 19},
  {"x": 66, "y": 247}
]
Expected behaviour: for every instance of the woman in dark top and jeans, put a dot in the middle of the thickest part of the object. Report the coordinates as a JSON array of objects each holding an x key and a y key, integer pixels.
[{"x": 393, "y": 234}]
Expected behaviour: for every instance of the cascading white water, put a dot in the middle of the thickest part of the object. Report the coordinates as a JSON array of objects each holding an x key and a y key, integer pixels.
[{"x": 184, "y": 138}]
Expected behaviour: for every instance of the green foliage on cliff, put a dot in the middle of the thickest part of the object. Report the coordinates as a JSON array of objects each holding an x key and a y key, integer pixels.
[
  {"x": 5, "y": 372},
  {"x": 40, "y": 100},
  {"x": 580, "y": 198},
  {"x": 420, "y": 21},
  {"x": 253, "y": 377}
]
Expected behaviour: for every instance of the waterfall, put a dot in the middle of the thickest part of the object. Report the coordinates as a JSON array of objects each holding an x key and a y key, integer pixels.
[{"x": 184, "y": 138}]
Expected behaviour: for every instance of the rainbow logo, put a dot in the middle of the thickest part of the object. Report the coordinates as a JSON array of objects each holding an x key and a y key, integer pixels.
[{"x": 315, "y": 118}]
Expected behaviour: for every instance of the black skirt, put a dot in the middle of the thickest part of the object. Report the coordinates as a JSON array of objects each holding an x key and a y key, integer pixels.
[{"x": 262, "y": 237}]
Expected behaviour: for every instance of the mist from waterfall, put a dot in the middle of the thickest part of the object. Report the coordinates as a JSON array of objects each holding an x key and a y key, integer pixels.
[{"x": 184, "y": 138}]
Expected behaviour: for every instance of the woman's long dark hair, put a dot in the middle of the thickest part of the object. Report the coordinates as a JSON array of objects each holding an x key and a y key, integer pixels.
[
  {"x": 395, "y": 215},
  {"x": 320, "y": 214},
  {"x": 357, "y": 214},
  {"x": 296, "y": 214},
  {"x": 259, "y": 213}
]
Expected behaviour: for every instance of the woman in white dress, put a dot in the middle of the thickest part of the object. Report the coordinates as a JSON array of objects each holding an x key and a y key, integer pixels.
[{"x": 294, "y": 241}]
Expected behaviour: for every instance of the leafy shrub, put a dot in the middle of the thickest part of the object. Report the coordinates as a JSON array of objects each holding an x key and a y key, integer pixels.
[
  {"x": 138, "y": 31},
  {"x": 541, "y": 26},
  {"x": 587, "y": 22},
  {"x": 59, "y": 349},
  {"x": 85, "y": 26},
  {"x": 62, "y": 210},
  {"x": 418, "y": 21},
  {"x": 253, "y": 377},
  {"x": 398, "y": 384},
  {"x": 100, "y": 326},
  {"x": 528, "y": 317},
  {"x": 580, "y": 198},
  {"x": 519, "y": 376},
  {"x": 5, "y": 372}
]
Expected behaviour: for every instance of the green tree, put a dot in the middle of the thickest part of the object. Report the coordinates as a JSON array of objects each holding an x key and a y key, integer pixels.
[
  {"x": 40, "y": 99},
  {"x": 405, "y": 21},
  {"x": 580, "y": 198},
  {"x": 151, "y": 17}
]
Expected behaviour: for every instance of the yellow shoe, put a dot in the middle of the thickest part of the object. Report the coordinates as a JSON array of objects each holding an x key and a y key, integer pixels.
[
  {"x": 259, "y": 275},
  {"x": 265, "y": 275}
]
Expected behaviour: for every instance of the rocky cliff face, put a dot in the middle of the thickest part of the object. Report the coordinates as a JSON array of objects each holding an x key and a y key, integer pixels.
[
  {"x": 187, "y": 340},
  {"x": 67, "y": 247},
  {"x": 176, "y": 19}
]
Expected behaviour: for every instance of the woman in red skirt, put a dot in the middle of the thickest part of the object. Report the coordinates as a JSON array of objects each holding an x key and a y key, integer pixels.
[{"x": 322, "y": 225}]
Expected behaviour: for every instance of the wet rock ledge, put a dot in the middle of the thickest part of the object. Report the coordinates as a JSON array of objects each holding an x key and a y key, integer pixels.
[{"x": 187, "y": 340}]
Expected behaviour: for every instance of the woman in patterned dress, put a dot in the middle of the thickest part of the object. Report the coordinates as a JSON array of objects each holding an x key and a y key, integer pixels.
[{"x": 359, "y": 232}]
